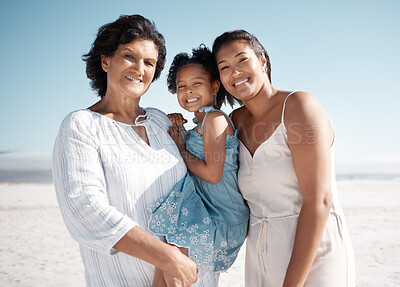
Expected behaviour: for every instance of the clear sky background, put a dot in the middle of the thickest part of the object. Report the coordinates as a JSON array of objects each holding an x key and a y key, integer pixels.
[{"x": 345, "y": 53}]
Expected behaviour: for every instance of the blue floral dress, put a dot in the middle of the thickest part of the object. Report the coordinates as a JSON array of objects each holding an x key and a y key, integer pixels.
[{"x": 209, "y": 219}]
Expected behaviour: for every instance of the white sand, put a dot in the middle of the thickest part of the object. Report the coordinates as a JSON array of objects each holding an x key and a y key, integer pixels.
[{"x": 36, "y": 249}]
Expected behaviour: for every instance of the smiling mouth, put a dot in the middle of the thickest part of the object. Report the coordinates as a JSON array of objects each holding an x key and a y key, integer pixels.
[
  {"x": 241, "y": 82},
  {"x": 130, "y": 78},
  {"x": 192, "y": 100}
]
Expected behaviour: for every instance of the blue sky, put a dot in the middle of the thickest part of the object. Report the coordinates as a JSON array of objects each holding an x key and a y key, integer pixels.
[{"x": 345, "y": 53}]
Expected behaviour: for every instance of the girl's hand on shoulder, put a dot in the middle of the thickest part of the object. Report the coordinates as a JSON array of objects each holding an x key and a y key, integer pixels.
[
  {"x": 177, "y": 120},
  {"x": 177, "y": 138}
]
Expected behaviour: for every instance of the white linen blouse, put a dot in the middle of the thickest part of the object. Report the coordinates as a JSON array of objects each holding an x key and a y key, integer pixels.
[{"x": 105, "y": 178}]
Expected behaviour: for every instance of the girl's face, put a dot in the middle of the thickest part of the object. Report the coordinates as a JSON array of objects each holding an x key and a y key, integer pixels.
[
  {"x": 194, "y": 88},
  {"x": 241, "y": 71}
]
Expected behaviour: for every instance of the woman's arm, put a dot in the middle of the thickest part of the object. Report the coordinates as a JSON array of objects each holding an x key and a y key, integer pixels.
[
  {"x": 310, "y": 136},
  {"x": 81, "y": 187},
  {"x": 178, "y": 268},
  {"x": 91, "y": 220},
  {"x": 216, "y": 127}
]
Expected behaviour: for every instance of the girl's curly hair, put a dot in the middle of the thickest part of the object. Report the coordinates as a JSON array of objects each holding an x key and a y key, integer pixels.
[{"x": 200, "y": 56}]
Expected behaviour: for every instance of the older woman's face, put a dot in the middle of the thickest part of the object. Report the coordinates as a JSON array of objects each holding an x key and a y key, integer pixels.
[{"x": 131, "y": 69}]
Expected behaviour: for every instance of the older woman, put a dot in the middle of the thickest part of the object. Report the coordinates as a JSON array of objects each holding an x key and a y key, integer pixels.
[
  {"x": 297, "y": 234},
  {"x": 114, "y": 159}
]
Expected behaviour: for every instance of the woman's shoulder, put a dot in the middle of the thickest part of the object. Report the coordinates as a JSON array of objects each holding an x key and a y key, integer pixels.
[
  {"x": 82, "y": 119},
  {"x": 78, "y": 116},
  {"x": 158, "y": 115},
  {"x": 238, "y": 115},
  {"x": 301, "y": 106},
  {"x": 155, "y": 111},
  {"x": 301, "y": 97}
]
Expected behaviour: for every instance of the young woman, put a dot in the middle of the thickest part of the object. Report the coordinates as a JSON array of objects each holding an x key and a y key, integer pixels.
[{"x": 297, "y": 234}]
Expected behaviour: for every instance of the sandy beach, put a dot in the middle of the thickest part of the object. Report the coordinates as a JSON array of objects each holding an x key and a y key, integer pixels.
[{"x": 36, "y": 249}]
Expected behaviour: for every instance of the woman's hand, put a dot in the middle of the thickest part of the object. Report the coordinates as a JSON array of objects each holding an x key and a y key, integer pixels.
[
  {"x": 178, "y": 269},
  {"x": 182, "y": 272},
  {"x": 177, "y": 138},
  {"x": 177, "y": 120}
]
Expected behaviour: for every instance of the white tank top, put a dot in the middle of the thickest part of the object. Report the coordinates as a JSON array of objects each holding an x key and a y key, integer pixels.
[{"x": 267, "y": 179}]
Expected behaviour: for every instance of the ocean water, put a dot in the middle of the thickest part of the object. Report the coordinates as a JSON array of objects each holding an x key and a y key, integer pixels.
[
  {"x": 369, "y": 176},
  {"x": 26, "y": 176},
  {"x": 45, "y": 176}
]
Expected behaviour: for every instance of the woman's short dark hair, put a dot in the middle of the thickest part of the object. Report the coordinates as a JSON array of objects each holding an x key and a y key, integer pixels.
[
  {"x": 200, "y": 56},
  {"x": 126, "y": 29},
  {"x": 252, "y": 40}
]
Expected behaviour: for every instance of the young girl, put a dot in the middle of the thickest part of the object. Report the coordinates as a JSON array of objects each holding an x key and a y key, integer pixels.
[{"x": 205, "y": 212}]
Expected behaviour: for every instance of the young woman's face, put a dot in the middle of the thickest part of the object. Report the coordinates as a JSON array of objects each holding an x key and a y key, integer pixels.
[
  {"x": 131, "y": 69},
  {"x": 241, "y": 71},
  {"x": 194, "y": 88}
]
